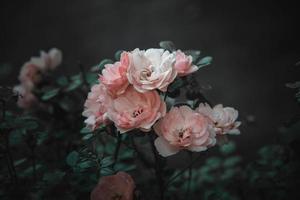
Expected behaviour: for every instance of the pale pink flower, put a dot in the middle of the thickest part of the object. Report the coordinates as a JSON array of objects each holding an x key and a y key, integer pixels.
[
  {"x": 96, "y": 107},
  {"x": 224, "y": 118},
  {"x": 183, "y": 128},
  {"x": 114, "y": 76},
  {"x": 151, "y": 69},
  {"x": 183, "y": 64},
  {"x": 26, "y": 99},
  {"x": 52, "y": 59},
  {"x": 133, "y": 109},
  {"x": 116, "y": 187},
  {"x": 31, "y": 73}
]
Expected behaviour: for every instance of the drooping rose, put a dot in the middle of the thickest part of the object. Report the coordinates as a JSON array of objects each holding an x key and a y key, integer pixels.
[
  {"x": 224, "y": 118},
  {"x": 96, "y": 106},
  {"x": 52, "y": 59},
  {"x": 133, "y": 109},
  {"x": 183, "y": 64},
  {"x": 116, "y": 187},
  {"x": 183, "y": 128},
  {"x": 26, "y": 99},
  {"x": 114, "y": 76},
  {"x": 151, "y": 69}
]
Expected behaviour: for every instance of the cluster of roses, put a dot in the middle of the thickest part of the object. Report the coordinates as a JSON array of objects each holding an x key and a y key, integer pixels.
[
  {"x": 128, "y": 95},
  {"x": 31, "y": 75}
]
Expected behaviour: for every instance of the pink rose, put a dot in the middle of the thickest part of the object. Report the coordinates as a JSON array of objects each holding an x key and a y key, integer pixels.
[
  {"x": 114, "y": 76},
  {"x": 151, "y": 69},
  {"x": 183, "y": 128},
  {"x": 31, "y": 73},
  {"x": 96, "y": 106},
  {"x": 183, "y": 64},
  {"x": 120, "y": 186},
  {"x": 133, "y": 109},
  {"x": 224, "y": 119},
  {"x": 26, "y": 99}
]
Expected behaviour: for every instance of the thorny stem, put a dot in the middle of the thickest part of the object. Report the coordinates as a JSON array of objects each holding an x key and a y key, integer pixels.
[{"x": 158, "y": 168}]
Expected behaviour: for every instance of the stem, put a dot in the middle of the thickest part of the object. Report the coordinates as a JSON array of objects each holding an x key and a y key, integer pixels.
[
  {"x": 10, "y": 163},
  {"x": 183, "y": 170},
  {"x": 116, "y": 153},
  {"x": 189, "y": 177},
  {"x": 158, "y": 168}
]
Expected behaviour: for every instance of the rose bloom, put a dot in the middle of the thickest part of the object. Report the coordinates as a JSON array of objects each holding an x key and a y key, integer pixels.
[
  {"x": 183, "y": 64},
  {"x": 26, "y": 99},
  {"x": 114, "y": 76},
  {"x": 31, "y": 72},
  {"x": 96, "y": 106},
  {"x": 151, "y": 69},
  {"x": 133, "y": 109},
  {"x": 183, "y": 128},
  {"x": 52, "y": 59},
  {"x": 224, "y": 118},
  {"x": 116, "y": 187}
]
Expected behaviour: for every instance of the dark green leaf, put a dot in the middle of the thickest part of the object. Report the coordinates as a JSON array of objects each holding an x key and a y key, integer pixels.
[
  {"x": 204, "y": 61},
  {"x": 177, "y": 84},
  {"x": 227, "y": 148},
  {"x": 88, "y": 136},
  {"x": 106, "y": 171},
  {"x": 50, "y": 94},
  {"x": 118, "y": 55},
  {"x": 16, "y": 136},
  {"x": 85, "y": 130},
  {"x": 103, "y": 63},
  {"x": 86, "y": 164},
  {"x": 231, "y": 161},
  {"x": 72, "y": 158},
  {"x": 53, "y": 177},
  {"x": 62, "y": 81},
  {"x": 20, "y": 161},
  {"x": 167, "y": 45},
  {"x": 107, "y": 161}
]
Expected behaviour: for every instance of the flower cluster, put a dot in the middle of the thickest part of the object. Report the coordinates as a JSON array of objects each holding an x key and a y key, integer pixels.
[
  {"x": 31, "y": 75},
  {"x": 128, "y": 95}
]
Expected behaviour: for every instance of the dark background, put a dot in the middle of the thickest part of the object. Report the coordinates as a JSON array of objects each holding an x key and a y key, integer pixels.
[{"x": 255, "y": 45}]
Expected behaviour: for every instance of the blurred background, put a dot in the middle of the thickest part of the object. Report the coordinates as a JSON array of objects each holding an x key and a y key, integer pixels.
[{"x": 255, "y": 45}]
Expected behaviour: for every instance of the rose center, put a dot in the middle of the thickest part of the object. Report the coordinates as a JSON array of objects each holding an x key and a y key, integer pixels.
[
  {"x": 145, "y": 74},
  {"x": 137, "y": 112}
]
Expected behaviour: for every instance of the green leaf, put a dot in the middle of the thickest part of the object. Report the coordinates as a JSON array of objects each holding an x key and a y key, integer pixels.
[
  {"x": 204, "y": 61},
  {"x": 16, "y": 136},
  {"x": 72, "y": 158},
  {"x": 213, "y": 162},
  {"x": 231, "y": 161},
  {"x": 86, "y": 164},
  {"x": 106, "y": 171},
  {"x": 167, "y": 45},
  {"x": 85, "y": 130},
  {"x": 88, "y": 136},
  {"x": 41, "y": 137},
  {"x": 177, "y": 84},
  {"x": 62, "y": 81},
  {"x": 50, "y": 94},
  {"x": 107, "y": 161},
  {"x": 103, "y": 63},
  {"x": 19, "y": 162},
  {"x": 76, "y": 81},
  {"x": 91, "y": 78},
  {"x": 227, "y": 148},
  {"x": 118, "y": 55}
]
